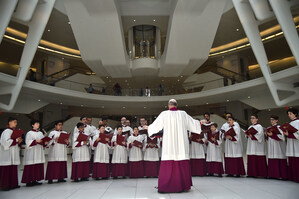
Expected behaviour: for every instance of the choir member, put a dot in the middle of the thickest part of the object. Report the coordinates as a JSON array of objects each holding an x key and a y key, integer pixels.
[
  {"x": 197, "y": 155},
  {"x": 57, "y": 155},
  {"x": 135, "y": 145},
  {"x": 151, "y": 157},
  {"x": 9, "y": 157},
  {"x": 143, "y": 123},
  {"x": 214, "y": 152},
  {"x": 81, "y": 156},
  {"x": 233, "y": 154},
  {"x": 34, "y": 157},
  {"x": 207, "y": 117},
  {"x": 277, "y": 161},
  {"x": 175, "y": 173},
  {"x": 292, "y": 151},
  {"x": 125, "y": 127},
  {"x": 101, "y": 166},
  {"x": 108, "y": 129},
  {"x": 256, "y": 155},
  {"x": 120, "y": 154},
  {"x": 128, "y": 123},
  {"x": 87, "y": 129}
]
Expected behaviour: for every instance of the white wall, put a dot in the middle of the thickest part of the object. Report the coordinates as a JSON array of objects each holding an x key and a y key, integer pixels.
[
  {"x": 208, "y": 80},
  {"x": 79, "y": 82}
]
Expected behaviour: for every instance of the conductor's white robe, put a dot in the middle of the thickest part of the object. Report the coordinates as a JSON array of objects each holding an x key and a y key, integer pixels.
[{"x": 175, "y": 173}]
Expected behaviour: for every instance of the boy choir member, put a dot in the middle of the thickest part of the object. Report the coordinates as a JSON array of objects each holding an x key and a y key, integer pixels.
[
  {"x": 57, "y": 155},
  {"x": 233, "y": 160},
  {"x": 100, "y": 145},
  {"x": 277, "y": 161},
  {"x": 151, "y": 157},
  {"x": 135, "y": 145},
  {"x": 81, "y": 155},
  {"x": 256, "y": 155},
  {"x": 34, "y": 157},
  {"x": 214, "y": 152},
  {"x": 125, "y": 127},
  {"x": 197, "y": 155},
  {"x": 292, "y": 151},
  {"x": 120, "y": 155},
  {"x": 9, "y": 157}
]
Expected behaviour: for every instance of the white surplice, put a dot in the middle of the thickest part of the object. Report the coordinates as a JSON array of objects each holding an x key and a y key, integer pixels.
[
  {"x": 135, "y": 153},
  {"x": 101, "y": 151},
  {"x": 214, "y": 151},
  {"x": 293, "y": 144},
  {"x": 120, "y": 153},
  {"x": 277, "y": 149},
  {"x": 175, "y": 137},
  {"x": 256, "y": 147},
  {"x": 9, "y": 155},
  {"x": 80, "y": 152},
  {"x": 233, "y": 149},
  {"x": 151, "y": 154},
  {"x": 57, "y": 151},
  {"x": 34, "y": 154}
]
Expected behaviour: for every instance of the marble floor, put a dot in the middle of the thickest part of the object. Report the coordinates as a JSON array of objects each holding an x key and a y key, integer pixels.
[{"x": 203, "y": 187}]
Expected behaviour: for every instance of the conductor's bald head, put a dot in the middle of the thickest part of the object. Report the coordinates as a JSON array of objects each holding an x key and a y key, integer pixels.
[{"x": 172, "y": 103}]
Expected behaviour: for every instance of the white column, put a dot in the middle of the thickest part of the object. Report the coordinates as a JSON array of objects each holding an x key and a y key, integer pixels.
[{"x": 6, "y": 10}]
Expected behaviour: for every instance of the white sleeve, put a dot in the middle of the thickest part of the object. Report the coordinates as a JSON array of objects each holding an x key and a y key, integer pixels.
[
  {"x": 260, "y": 133},
  {"x": 238, "y": 133},
  {"x": 29, "y": 139},
  {"x": 193, "y": 125},
  {"x": 6, "y": 141},
  {"x": 157, "y": 125}
]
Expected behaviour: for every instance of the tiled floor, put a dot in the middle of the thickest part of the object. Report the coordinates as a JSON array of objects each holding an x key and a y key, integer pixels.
[{"x": 203, "y": 187}]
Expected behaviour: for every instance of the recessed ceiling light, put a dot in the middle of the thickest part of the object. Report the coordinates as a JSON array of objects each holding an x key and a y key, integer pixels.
[
  {"x": 81, "y": 105},
  {"x": 154, "y": 19},
  {"x": 186, "y": 104},
  {"x": 178, "y": 80},
  {"x": 207, "y": 103},
  {"x": 181, "y": 75},
  {"x": 144, "y": 107},
  {"x": 248, "y": 97},
  {"x": 124, "y": 107},
  {"x": 237, "y": 29},
  {"x": 60, "y": 102},
  {"x": 227, "y": 100},
  {"x": 38, "y": 100},
  {"x": 49, "y": 30},
  {"x": 69, "y": 22},
  {"x": 134, "y": 20}
]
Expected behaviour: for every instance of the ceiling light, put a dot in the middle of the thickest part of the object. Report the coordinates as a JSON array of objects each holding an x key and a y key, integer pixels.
[
  {"x": 144, "y": 107},
  {"x": 49, "y": 30},
  {"x": 227, "y": 100},
  {"x": 62, "y": 58},
  {"x": 237, "y": 29},
  {"x": 69, "y": 22},
  {"x": 124, "y": 107},
  {"x": 81, "y": 105},
  {"x": 186, "y": 104},
  {"x": 38, "y": 100},
  {"x": 60, "y": 102},
  {"x": 134, "y": 20},
  {"x": 207, "y": 103},
  {"x": 154, "y": 19},
  {"x": 248, "y": 97}
]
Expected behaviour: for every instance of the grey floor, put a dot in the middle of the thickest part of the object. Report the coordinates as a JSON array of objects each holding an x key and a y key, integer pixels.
[{"x": 203, "y": 187}]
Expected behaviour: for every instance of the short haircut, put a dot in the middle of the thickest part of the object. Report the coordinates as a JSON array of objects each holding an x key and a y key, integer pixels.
[
  {"x": 79, "y": 124},
  {"x": 101, "y": 125},
  {"x": 119, "y": 126},
  {"x": 214, "y": 124},
  {"x": 275, "y": 117},
  {"x": 88, "y": 117},
  {"x": 33, "y": 122},
  {"x": 11, "y": 119},
  {"x": 293, "y": 110},
  {"x": 135, "y": 127},
  {"x": 229, "y": 113},
  {"x": 255, "y": 115},
  {"x": 82, "y": 117},
  {"x": 57, "y": 122},
  {"x": 104, "y": 118},
  {"x": 231, "y": 118},
  {"x": 206, "y": 113}
]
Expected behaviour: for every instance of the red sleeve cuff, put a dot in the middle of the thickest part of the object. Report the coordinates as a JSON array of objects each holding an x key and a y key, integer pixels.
[
  {"x": 33, "y": 143},
  {"x": 233, "y": 139}
]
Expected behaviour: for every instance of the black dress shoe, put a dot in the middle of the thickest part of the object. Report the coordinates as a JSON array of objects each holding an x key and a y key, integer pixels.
[
  {"x": 37, "y": 183},
  {"x": 84, "y": 179},
  {"x": 50, "y": 181},
  {"x": 76, "y": 180},
  {"x": 30, "y": 184},
  {"x": 97, "y": 178},
  {"x": 238, "y": 176},
  {"x": 220, "y": 175},
  {"x": 229, "y": 175},
  {"x": 16, "y": 187},
  {"x": 61, "y": 180}
]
